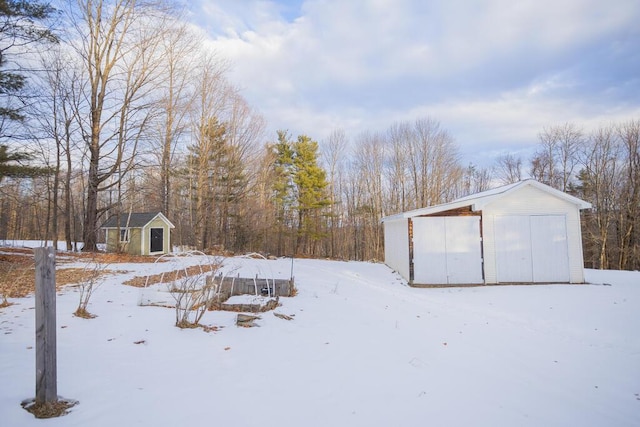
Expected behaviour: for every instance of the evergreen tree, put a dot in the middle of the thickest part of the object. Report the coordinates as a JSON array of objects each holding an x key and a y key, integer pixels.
[
  {"x": 19, "y": 28},
  {"x": 311, "y": 183},
  {"x": 219, "y": 185},
  {"x": 230, "y": 184},
  {"x": 283, "y": 186},
  {"x": 299, "y": 188},
  {"x": 204, "y": 173},
  {"x": 11, "y": 165}
]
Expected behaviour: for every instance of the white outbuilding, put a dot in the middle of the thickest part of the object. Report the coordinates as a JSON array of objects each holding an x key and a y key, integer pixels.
[{"x": 525, "y": 232}]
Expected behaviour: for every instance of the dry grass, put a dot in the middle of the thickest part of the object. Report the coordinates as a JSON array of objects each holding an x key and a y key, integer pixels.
[
  {"x": 190, "y": 325},
  {"x": 17, "y": 270},
  {"x": 113, "y": 258},
  {"x": 82, "y": 312},
  {"x": 49, "y": 409},
  {"x": 139, "y": 281}
]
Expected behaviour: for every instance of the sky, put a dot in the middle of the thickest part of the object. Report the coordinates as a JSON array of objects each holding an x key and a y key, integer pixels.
[{"x": 494, "y": 73}]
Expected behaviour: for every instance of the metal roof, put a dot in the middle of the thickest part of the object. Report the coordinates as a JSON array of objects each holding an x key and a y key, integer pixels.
[{"x": 479, "y": 200}]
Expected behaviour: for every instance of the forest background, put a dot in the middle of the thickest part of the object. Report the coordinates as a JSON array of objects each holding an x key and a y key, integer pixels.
[{"x": 113, "y": 107}]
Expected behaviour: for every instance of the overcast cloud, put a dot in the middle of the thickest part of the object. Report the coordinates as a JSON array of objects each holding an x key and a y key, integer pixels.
[{"x": 493, "y": 72}]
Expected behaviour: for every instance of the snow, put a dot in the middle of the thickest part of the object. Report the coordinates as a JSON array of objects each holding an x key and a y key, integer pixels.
[
  {"x": 248, "y": 299},
  {"x": 363, "y": 349}
]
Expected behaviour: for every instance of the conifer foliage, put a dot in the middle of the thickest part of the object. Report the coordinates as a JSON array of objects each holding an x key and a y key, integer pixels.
[
  {"x": 19, "y": 28},
  {"x": 300, "y": 192},
  {"x": 12, "y": 165}
]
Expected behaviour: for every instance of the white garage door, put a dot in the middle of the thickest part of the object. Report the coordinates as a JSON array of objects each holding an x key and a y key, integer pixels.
[
  {"x": 531, "y": 248},
  {"x": 447, "y": 250}
]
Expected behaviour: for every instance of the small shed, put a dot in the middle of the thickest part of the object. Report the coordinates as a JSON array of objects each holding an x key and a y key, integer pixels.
[
  {"x": 525, "y": 232},
  {"x": 141, "y": 233}
]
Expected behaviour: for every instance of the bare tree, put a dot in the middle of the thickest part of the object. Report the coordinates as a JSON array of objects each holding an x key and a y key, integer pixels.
[
  {"x": 193, "y": 294},
  {"x": 93, "y": 275},
  {"x": 398, "y": 168},
  {"x": 628, "y": 227},
  {"x": 117, "y": 42},
  {"x": 333, "y": 151},
  {"x": 367, "y": 195},
  {"x": 600, "y": 179},
  {"x": 179, "y": 49},
  {"x": 475, "y": 179},
  {"x": 57, "y": 116},
  {"x": 508, "y": 169},
  {"x": 244, "y": 131},
  {"x": 211, "y": 104},
  {"x": 555, "y": 161},
  {"x": 434, "y": 163}
]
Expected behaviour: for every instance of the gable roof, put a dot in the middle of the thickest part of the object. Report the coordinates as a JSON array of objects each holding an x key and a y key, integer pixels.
[
  {"x": 480, "y": 200},
  {"x": 135, "y": 220}
]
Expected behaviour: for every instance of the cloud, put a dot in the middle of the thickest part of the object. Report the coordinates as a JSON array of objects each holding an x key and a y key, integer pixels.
[{"x": 493, "y": 72}]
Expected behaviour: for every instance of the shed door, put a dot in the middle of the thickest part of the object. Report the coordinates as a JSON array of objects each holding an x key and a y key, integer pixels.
[
  {"x": 157, "y": 240},
  {"x": 549, "y": 247},
  {"x": 531, "y": 248},
  {"x": 513, "y": 248},
  {"x": 447, "y": 250}
]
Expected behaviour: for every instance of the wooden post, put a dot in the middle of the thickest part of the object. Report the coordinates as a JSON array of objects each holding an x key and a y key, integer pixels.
[{"x": 46, "y": 369}]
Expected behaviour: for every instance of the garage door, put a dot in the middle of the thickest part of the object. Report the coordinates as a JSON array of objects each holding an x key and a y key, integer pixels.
[
  {"x": 447, "y": 250},
  {"x": 531, "y": 248}
]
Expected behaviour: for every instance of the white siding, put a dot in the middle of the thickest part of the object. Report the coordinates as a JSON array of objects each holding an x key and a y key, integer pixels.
[
  {"x": 549, "y": 248},
  {"x": 532, "y": 201},
  {"x": 531, "y": 248},
  {"x": 447, "y": 250},
  {"x": 396, "y": 246},
  {"x": 512, "y": 239},
  {"x": 429, "y": 251}
]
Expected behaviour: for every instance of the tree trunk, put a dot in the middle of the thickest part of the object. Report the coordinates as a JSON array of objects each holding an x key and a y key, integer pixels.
[{"x": 90, "y": 229}]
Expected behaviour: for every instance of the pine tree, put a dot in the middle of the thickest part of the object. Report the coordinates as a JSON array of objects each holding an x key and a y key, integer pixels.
[
  {"x": 11, "y": 165},
  {"x": 299, "y": 192},
  {"x": 283, "y": 186},
  {"x": 311, "y": 183},
  {"x": 17, "y": 30}
]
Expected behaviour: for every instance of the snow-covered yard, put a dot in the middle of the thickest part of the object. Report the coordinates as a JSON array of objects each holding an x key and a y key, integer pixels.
[{"x": 363, "y": 349}]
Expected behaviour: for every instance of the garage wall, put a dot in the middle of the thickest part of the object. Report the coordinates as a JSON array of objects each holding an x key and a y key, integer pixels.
[
  {"x": 531, "y": 248},
  {"x": 532, "y": 201},
  {"x": 396, "y": 246},
  {"x": 447, "y": 250}
]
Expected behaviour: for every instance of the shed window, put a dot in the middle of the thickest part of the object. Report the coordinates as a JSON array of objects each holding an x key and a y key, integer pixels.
[{"x": 124, "y": 235}]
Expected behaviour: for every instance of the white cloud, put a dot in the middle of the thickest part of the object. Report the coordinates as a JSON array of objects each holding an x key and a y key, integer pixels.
[{"x": 494, "y": 72}]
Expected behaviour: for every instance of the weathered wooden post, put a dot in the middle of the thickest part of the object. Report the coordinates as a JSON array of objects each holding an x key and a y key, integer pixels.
[{"x": 46, "y": 369}]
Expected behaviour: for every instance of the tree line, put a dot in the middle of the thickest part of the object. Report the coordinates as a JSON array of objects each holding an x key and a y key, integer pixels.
[{"x": 125, "y": 109}]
